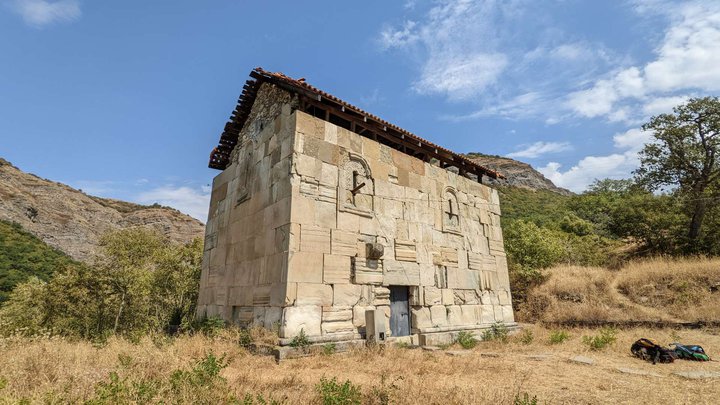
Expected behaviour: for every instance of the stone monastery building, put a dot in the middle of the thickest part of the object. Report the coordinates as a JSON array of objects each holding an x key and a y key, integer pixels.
[{"x": 323, "y": 211}]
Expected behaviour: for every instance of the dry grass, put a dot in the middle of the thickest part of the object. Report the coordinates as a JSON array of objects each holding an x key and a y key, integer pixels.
[
  {"x": 59, "y": 371},
  {"x": 657, "y": 290},
  {"x": 688, "y": 289}
]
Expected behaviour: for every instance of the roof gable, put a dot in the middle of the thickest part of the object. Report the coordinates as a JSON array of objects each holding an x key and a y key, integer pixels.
[{"x": 330, "y": 108}]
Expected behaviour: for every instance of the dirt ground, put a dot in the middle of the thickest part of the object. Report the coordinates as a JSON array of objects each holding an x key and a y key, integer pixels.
[{"x": 58, "y": 371}]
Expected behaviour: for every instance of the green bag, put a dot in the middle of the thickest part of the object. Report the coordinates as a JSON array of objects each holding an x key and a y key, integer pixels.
[{"x": 690, "y": 352}]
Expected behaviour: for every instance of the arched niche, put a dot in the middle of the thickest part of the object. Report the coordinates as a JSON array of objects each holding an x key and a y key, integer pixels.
[{"x": 356, "y": 188}]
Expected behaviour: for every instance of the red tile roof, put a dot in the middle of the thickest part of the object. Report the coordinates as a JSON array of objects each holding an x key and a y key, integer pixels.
[{"x": 219, "y": 158}]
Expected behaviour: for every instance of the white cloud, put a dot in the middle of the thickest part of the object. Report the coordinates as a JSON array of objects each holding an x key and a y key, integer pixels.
[
  {"x": 633, "y": 139},
  {"x": 189, "y": 200},
  {"x": 391, "y": 38},
  {"x": 457, "y": 45},
  {"x": 590, "y": 168},
  {"x": 685, "y": 61},
  {"x": 495, "y": 53},
  {"x": 40, "y": 13},
  {"x": 595, "y": 101},
  {"x": 663, "y": 105},
  {"x": 460, "y": 76},
  {"x": 587, "y": 170},
  {"x": 538, "y": 149}
]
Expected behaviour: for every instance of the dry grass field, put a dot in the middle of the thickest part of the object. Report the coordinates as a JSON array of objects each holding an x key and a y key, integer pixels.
[
  {"x": 202, "y": 369},
  {"x": 58, "y": 371},
  {"x": 665, "y": 290}
]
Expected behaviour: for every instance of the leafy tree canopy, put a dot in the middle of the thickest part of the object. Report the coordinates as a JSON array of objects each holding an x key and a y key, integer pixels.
[{"x": 684, "y": 155}]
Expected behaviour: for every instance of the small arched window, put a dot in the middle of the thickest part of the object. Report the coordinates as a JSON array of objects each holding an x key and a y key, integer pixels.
[{"x": 451, "y": 211}]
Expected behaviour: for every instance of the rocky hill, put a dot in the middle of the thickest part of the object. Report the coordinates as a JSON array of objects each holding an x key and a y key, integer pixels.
[
  {"x": 72, "y": 221},
  {"x": 517, "y": 174}
]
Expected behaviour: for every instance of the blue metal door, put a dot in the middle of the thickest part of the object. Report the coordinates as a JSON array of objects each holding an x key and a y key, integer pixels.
[{"x": 399, "y": 311}]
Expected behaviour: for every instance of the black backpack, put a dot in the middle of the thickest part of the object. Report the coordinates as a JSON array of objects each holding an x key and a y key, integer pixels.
[{"x": 647, "y": 349}]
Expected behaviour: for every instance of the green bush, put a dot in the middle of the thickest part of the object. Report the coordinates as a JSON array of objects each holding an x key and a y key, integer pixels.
[
  {"x": 525, "y": 399},
  {"x": 205, "y": 372},
  {"x": 533, "y": 247},
  {"x": 259, "y": 400},
  {"x": 300, "y": 341},
  {"x": 527, "y": 337},
  {"x": 498, "y": 331},
  {"x": 466, "y": 340},
  {"x": 332, "y": 392},
  {"x": 122, "y": 390},
  {"x": 605, "y": 337},
  {"x": 383, "y": 393},
  {"x": 211, "y": 325},
  {"x": 329, "y": 349},
  {"x": 202, "y": 383},
  {"x": 558, "y": 336}
]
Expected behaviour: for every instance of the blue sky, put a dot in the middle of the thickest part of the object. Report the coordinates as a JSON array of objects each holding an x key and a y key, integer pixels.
[{"x": 126, "y": 99}]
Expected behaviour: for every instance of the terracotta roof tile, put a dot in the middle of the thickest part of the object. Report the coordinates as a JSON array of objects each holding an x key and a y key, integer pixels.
[{"x": 220, "y": 155}]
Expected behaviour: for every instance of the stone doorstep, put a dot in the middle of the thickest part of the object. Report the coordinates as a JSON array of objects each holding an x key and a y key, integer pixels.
[
  {"x": 512, "y": 328},
  {"x": 440, "y": 336},
  {"x": 333, "y": 338},
  {"x": 288, "y": 352}
]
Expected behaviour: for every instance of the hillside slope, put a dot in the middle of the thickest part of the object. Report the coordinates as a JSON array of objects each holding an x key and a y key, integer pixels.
[
  {"x": 23, "y": 255},
  {"x": 517, "y": 174},
  {"x": 72, "y": 221}
]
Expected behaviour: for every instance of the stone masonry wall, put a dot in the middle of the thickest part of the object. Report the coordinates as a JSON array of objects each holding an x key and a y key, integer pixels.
[
  {"x": 286, "y": 242},
  {"x": 441, "y": 233},
  {"x": 247, "y": 233}
]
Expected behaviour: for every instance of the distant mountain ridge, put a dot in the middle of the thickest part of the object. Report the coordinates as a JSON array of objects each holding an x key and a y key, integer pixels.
[
  {"x": 517, "y": 174},
  {"x": 72, "y": 221}
]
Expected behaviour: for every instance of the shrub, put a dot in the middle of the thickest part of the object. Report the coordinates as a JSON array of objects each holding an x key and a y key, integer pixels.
[
  {"x": 533, "y": 247},
  {"x": 244, "y": 338},
  {"x": 211, "y": 325},
  {"x": 332, "y": 392},
  {"x": 383, "y": 394},
  {"x": 328, "y": 349},
  {"x": 525, "y": 399},
  {"x": 259, "y": 400},
  {"x": 558, "y": 336},
  {"x": 300, "y": 341},
  {"x": 203, "y": 373},
  {"x": 200, "y": 384},
  {"x": 122, "y": 390},
  {"x": 3, "y": 383},
  {"x": 498, "y": 331},
  {"x": 527, "y": 337},
  {"x": 607, "y": 336},
  {"x": 466, "y": 340}
]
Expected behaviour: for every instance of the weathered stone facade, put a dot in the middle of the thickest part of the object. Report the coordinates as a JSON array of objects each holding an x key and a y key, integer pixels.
[{"x": 310, "y": 224}]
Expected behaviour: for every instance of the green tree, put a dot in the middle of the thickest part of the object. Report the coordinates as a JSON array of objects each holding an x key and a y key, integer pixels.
[
  {"x": 684, "y": 155},
  {"x": 141, "y": 282},
  {"x": 621, "y": 209},
  {"x": 24, "y": 311}
]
